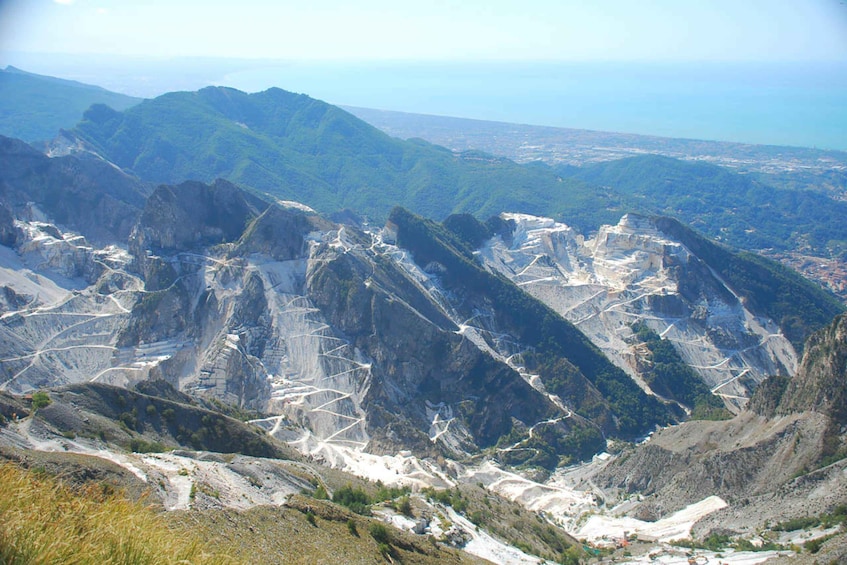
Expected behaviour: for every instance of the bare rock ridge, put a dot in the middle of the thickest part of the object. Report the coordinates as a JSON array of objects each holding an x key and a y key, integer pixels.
[
  {"x": 194, "y": 215},
  {"x": 384, "y": 340},
  {"x": 820, "y": 384},
  {"x": 634, "y": 273},
  {"x": 266, "y": 308}
]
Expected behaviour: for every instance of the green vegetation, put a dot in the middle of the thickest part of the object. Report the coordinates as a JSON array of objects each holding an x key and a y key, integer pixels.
[
  {"x": 270, "y": 534},
  {"x": 553, "y": 338},
  {"x": 355, "y": 499},
  {"x": 447, "y": 497},
  {"x": 549, "y": 447},
  {"x": 47, "y": 522},
  {"x": 379, "y": 532},
  {"x": 719, "y": 542},
  {"x": 383, "y": 538},
  {"x": 768, "y": 395},
  {"x": 235, "y": 411},
  {"x": 837, "y": 516},
  {"x": 508, "y": 521},
  {"x": 669, "y": 376},
  {"x": 766, "y": 287},
  {"x": 168, "y": 424},
  {"x": 726, "y": 205},
  {"x": 351, "y": 527},
  {"x": 814, "y": 545},
  {"x": 40, "y": 399},
  {"x": 35, "y": 107},
  {"x": 138, "y": 445},
  {"x": 404, "y": 506},
  {"x": 298, "y": 148},
  {"x": 295, "y": 147},
  {"x": 320, "y": 493},
  {"x": 359, "y": 501},
  {"x": 384, "y": 493}
]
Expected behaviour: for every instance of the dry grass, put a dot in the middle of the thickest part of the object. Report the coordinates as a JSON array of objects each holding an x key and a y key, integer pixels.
[{"x": 43, "y": 521}]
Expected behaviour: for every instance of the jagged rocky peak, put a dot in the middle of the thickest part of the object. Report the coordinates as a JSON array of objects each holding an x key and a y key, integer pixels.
[
  {"x": 280, "y": 232},
  {"x": 325, "y": 325},
  {"x": 820, "y": 384},
  {"x": 357, "y": 340},
  {"x": 194, "y": 214}
]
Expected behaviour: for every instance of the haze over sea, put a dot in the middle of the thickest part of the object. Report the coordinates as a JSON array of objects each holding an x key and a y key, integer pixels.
[{"x": 800, "y": 104}]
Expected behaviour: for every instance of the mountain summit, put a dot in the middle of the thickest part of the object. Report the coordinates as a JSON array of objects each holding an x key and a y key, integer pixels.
[{"x": 297, "y": 148}]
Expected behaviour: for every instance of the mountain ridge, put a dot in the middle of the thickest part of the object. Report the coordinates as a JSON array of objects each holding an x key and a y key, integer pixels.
[
  {"x": 381, "y": 351},
  {"x": 308, "y": 151}
]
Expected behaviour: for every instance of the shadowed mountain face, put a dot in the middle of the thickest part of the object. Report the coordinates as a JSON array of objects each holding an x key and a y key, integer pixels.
[
  {"x": 88, "y": 196},
  {"x": 821, "y": 381}
]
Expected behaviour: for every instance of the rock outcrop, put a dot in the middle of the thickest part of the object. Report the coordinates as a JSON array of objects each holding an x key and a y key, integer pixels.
[
  {"x": 784, "y": 457},
  {"x": 820, "y": 384},
  {"x": 89, "y": 196},
  {"x": 634, "y": 272}
]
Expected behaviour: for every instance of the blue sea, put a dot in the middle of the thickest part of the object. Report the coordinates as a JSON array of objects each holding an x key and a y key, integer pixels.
[{"x": 799, "y": 104}]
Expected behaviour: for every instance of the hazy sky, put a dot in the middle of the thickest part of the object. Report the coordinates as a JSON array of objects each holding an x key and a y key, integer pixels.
[{"x": 432, "y": 29}]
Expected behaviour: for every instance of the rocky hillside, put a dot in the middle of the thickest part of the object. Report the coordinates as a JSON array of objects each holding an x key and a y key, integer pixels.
[
  {"x": 416, "y": 353},
  {"x": 88, "y": 196},
  {"x": 820, "y": 384},
  {"x": 635, "y": 275},
  {"x": 276, "y": 309},
  {"x": 388, "y": 339},
  {"x": 231, "y": 481},
  {"x": 783, "y": 458}
]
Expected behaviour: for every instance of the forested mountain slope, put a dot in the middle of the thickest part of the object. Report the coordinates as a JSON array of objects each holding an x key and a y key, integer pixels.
[{"x": 35, "y": 107}]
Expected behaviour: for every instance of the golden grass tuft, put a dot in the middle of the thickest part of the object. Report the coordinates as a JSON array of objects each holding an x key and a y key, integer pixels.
[{"x": 43, "y": 521}]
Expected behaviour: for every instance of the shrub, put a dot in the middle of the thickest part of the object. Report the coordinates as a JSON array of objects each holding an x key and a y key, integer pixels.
[
  {"x": 814, "y": 545},
  {"x": 320, "y": 493},
  {"x": 355, "y": 499},
  {"x": 379, "y": 533},
  {"x": 138, "y": 445},
  {"x": 384, "y": 549},
  {"x": 404, "y": 506},
  {"x": 40, "y": 399}
]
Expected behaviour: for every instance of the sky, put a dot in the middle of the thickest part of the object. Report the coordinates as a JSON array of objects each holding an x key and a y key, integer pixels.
[{"x": 365, "y": 30}]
